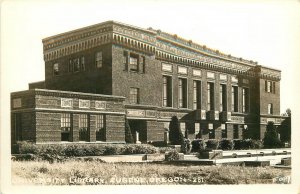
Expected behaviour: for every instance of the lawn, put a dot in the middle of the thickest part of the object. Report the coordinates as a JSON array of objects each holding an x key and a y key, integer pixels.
[{"x": 73, "y": 172}]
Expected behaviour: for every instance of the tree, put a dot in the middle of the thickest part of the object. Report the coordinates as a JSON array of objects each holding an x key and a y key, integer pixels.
[
  {"x": 128, "y": 134},
  {"x": 271, "y": 139},
  {"x": 285, "y": 127},
  {"x": 175, "y": 135}
]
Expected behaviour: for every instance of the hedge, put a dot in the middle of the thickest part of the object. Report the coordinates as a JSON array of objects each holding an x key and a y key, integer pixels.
[{"x": 78, "y": 150}]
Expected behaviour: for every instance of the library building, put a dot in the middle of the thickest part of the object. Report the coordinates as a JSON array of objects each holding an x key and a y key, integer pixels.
[{"x": 98, "y": 76}]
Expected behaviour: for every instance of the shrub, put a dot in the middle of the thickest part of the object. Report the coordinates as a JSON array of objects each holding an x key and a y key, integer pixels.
[
  {"x": 198, "y": 145},
  {"x": 238, "y": 144},
  {"x": 172, "y": 155},
  {"x": 175, "y": 135},
  {"x": 212, "y": 144},
  {"x": 226, "y": 144},
  {"x": 27, "y": 148},
  {"x": 186, "y": 146},
  {"x": 271, "y": 139}
]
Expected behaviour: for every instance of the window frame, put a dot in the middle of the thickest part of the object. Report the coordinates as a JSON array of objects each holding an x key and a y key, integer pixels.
[
  {"x": 136, "y": 64},
  {"x": 99, "y": 59},
  {"x": 56, "y": 69},
  {"x": 134, "y": 95}
]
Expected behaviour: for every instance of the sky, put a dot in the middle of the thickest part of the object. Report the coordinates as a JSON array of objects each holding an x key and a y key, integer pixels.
[{"x": 266, "y": 31}]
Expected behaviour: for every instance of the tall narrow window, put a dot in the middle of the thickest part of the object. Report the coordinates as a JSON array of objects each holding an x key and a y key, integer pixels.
[
  {"x": 274, "y": 87},
  {"x": 270, "y": 108},
  {"x": 223, "y": 98},
  {"x": 234, "y": 99},
  {"x": 125, "y": 60},
  {"x": 142, "y": 64},
  {"x": 76, "y": 65},
  {"x": 134, "y": 96},
  {"x": 167, "y": 91},
  {"x": 55, "y": 69},
  {"x": 70, "y": 65},
  {"x": 82, "y": 63},
  {"x": 245, "y": 100},
  {"x": 65, "y": 125},
  {"x": 196, "y": 95},
  {"x": 268, "y": 86},
  {"x": 210, "y": 96},
  {"x": 100, "y": 128},
  {"x": 83, "y": 127},
  {"x": 98, "y": 60},
  {"x": 133, "y": 62},
  {"x": 182, "y": 89}
]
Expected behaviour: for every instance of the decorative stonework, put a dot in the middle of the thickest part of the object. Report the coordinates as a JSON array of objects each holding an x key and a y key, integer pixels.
[
  {"x": 245, "y": 81},
  {"x": 182, "y": 70},
  {"x": 100, "y": 105},
  {"x": 136, "y": 113},
  {"x": 210, "y": 75},
  {"x": 162, "y": 45},
  {"x": 210, "y": 126},
  {"x": 84, "y": 103},
  {"x": 66, "y": 102},
  {"x": 167, "y": 67},
  {"x": 234, "y": 79},
  {"x": 237, "y": 119},
  {"x": 151, "y": 113},
  {"x": 17, "y": 103},
  {"x": 203, "y": 114},
  {"x": 196, "y": 72},
  {"x": 223, "y": 77}
]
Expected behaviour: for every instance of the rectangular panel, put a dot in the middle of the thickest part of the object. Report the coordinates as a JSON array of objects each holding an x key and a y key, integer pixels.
[
  {"x": 135, "y": 113},
  {"x": 182, "y": 70},
  {"x": 234, "y": 79},
  {"x": 84, "y": 103},
  {"x": 100, "y": 105},
  {"x": 210, "y": 75},
  {"x": 167, "y": 67},
  {"x": 223, "y": 77},
  {"x": 67, "y": 102},
  {"x": 196, "y": 72}
]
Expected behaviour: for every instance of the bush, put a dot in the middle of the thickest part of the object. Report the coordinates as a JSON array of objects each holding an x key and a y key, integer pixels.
[
  {"x": 172, "y": 155},
  {"x": 46, "y": 151},
  {"x": 226, "y": 144},
  {"x": 198, "y": 145},
  {"x": 175, "y": 135},
  {"x": 212, "y": 144},
  {"x": 186, "y": 146}
]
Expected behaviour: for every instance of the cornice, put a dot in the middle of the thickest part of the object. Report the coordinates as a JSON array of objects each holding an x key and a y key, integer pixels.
[{"x": 164, "y": 46}]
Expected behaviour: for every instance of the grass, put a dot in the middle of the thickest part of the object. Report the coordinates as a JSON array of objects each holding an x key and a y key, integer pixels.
[{"x": 97, "y": 172}]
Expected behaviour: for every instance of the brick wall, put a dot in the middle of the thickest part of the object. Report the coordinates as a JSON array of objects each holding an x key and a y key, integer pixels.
[
  {"x": 92, "y": 80},
  {"x": 155, "y": 131},
  {"x": 48, "y": 127},
  {"x": 266, "y": 98},
  {"x": 115, "y": 128}
]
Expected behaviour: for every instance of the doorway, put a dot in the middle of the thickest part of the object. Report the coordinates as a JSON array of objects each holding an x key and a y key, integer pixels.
[{"x": 139, "y": 126}]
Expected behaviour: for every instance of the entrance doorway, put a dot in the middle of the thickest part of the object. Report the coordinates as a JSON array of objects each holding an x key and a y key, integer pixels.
[{"x": 139, "y": 126}]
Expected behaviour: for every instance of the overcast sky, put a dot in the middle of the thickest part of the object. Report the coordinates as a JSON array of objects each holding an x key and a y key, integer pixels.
[{"x": 262, "y": 31}]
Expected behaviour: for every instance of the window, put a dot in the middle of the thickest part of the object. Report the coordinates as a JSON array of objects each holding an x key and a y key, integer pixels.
[
  {"x": 76, "y": 65},
  {"x": 270, "y": 109},
  {"x": 98, "y": 59},
  {"x": 71, "y": 65},
  {"x": 224, "y": 132},
  {"x": 167, "y": 91},
  {"x": 196, "y": 95},
  {"x": 134, "y": 96},
  {"x": 210, "y": 96},
  {"x": 83, "y": 127},
  {"x": 143, "y": 61},
  {"x": 100, "y": 128},
  {"x": 270, "y": 86},
  {"x": 82, "y": 63},
  {"x": 182, "y": 89},
  {"x": 133, "y": 62},
  {"x": 234, "y": 99},
  {"x": 65, "y": 125},
  {"x": 55, "y": 69},
  {"x": 245, "y": 100},
  {"x": 125, "y": 60},
  {"x": 223, "y": 99}
]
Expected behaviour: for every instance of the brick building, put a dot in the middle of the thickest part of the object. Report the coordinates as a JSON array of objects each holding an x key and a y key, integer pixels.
[{"x": 97, "y": 76}]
